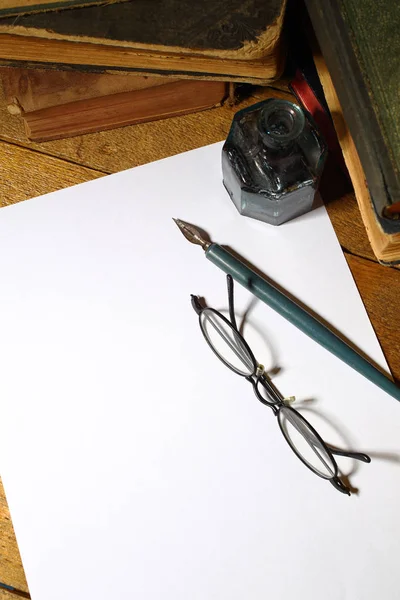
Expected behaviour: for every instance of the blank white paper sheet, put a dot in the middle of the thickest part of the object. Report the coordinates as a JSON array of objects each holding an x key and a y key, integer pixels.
[{"x": 136, "y": 465}]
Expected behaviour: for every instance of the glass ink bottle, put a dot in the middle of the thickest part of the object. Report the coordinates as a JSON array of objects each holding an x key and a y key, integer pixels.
[{"x": 272, "y": 160}]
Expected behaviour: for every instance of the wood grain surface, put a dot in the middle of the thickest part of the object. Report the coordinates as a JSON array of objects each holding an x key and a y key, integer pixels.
[
  {"x": 49, "y": 174},
  {"x": 6, "y": 595},
  {"x": 379, "y": 288},
  {"x": 11, "y": 571},
  {"x": 30, "y": 169}
]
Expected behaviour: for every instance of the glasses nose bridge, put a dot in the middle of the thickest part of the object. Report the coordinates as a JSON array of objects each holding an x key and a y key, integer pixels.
[{"x": 253, "y": 379}]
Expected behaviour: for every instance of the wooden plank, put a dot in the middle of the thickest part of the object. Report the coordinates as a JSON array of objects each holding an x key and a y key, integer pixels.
[
  {"x": 26, "y": 174},
  {"x": 11, "y": 570},
  {"x": 379, "y": 288},
  {"x": 5, "y": 595}
]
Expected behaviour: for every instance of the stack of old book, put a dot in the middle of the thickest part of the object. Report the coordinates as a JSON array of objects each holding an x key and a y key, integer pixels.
[{"x": 78, "y": 66}]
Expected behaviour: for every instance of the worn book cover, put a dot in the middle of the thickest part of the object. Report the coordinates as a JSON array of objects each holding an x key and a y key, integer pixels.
[
  {"x": 20, "y": 7},
  {"x": 28, "y": 90},
  {"x": 235, "y": 40},
  {"x": 360, "y": 43}
]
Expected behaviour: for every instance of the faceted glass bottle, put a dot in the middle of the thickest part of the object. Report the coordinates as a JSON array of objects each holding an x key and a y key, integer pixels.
[{"x": 272, "y": 161}]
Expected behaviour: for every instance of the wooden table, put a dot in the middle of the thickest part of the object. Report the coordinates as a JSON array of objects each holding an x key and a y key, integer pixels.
[{"x": 29, "y": 169}]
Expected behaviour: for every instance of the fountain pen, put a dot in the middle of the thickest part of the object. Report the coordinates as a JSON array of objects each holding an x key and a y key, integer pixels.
[{"x": 288, "y": 308}]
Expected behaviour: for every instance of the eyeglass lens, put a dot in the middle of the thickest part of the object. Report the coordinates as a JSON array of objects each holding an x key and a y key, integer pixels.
[
  {"x": 226, "y": 342},
  {"x": 305, "y": 443}
]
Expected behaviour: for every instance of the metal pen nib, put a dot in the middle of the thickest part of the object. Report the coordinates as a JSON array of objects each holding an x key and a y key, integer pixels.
[{"x": 192, "y": 234}]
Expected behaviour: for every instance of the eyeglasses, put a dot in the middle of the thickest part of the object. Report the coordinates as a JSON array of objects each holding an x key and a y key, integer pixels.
[{"x": 224, "y": 338}]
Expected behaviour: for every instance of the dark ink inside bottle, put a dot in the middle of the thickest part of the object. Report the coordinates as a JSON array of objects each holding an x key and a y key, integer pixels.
[{"x": 272, "y": 161}]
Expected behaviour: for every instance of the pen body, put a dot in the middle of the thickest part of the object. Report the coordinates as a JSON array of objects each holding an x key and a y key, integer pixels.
[{"x": 303, "y": 320}]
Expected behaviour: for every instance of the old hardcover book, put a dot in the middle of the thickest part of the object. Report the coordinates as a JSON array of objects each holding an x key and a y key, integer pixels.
[
  {"x": 148, "y": 100},
  {"x": 235, "y": 40},
  {"x": 28, "y": 90},
  {"x": 360, "y": 43},
  {"x": 18, "y": 7}
]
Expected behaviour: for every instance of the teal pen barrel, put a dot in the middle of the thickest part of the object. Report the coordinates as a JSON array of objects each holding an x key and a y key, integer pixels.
[{"x": 299, "y": 317}]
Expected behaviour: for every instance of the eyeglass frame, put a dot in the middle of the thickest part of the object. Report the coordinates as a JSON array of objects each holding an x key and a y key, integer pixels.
[{"x": 278, "y": 402}]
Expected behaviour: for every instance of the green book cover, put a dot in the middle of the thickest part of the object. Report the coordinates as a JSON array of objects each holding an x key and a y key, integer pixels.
[{"x": 360, "y": 41}]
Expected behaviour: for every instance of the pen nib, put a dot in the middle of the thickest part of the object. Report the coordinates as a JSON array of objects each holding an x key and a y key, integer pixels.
[{"x": 192, "y": 234}]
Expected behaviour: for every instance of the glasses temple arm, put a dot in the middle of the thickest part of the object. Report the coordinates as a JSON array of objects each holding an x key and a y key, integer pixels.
[
  {"x": 339, "y": 485},
  {"x": 196, "y": 304},
  {"x": 232, "y": 317},
  {"x": 356, "y": 455}
]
